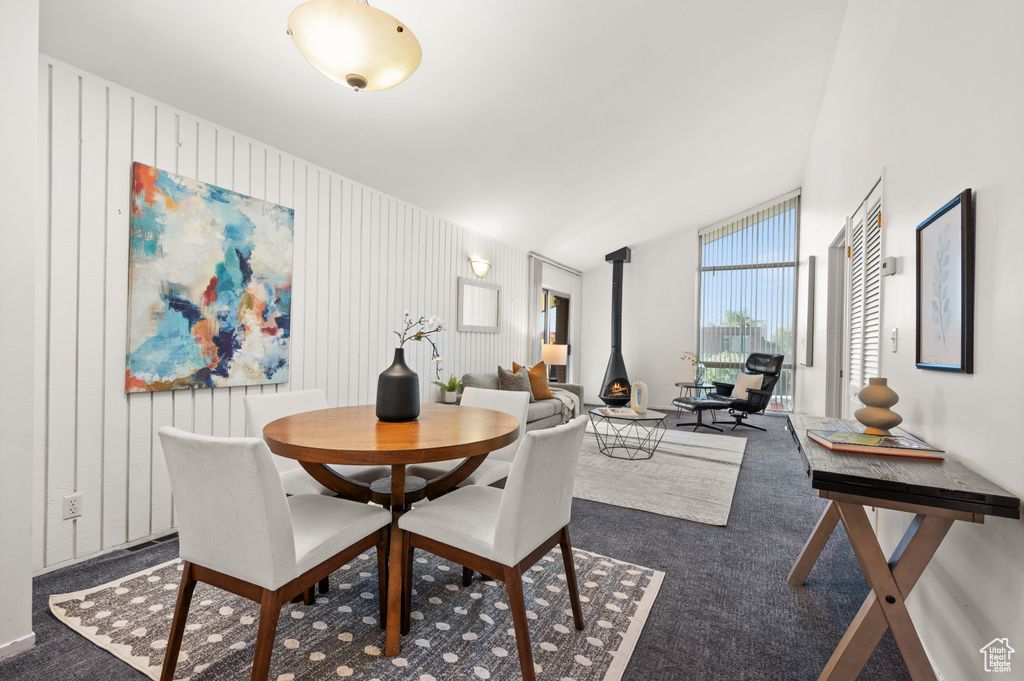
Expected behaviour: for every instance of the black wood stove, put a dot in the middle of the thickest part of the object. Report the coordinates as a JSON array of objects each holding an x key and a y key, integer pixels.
[{"x": 615, "y": 388}]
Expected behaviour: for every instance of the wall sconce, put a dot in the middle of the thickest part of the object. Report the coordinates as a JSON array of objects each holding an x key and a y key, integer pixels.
[{"x": 480, "y": 267}]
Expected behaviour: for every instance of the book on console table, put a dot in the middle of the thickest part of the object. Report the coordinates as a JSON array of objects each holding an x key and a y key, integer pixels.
[{"x": 890, "y": 445}]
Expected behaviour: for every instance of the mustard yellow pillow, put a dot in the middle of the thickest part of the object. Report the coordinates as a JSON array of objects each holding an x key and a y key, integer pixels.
[{"x": 538, "y": 381}]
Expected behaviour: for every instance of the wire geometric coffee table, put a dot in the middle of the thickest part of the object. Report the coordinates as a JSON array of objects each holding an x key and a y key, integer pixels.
[{"x": 627, "y": 434}]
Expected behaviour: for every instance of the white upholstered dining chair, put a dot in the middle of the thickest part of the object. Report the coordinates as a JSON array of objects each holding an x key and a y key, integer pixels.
[
  {"x": 499, "y": 462},
  {"x": 239, "y": 532},
  {"x": 262, "y": 409},
  {"x": 502, "y": 533}
]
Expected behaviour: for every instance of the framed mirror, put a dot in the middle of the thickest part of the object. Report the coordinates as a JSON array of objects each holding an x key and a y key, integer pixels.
[{"x": 479, "y": 306}]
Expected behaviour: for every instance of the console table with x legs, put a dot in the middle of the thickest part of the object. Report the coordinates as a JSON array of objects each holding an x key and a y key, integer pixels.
[{"x": 936, "y": 492}]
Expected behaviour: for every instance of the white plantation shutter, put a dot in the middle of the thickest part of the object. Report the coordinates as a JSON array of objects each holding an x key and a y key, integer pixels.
[
  {"x": 872, "y": 292},
  {"x": 865, "y": 301},
  {"x": 855, "y": 372}
]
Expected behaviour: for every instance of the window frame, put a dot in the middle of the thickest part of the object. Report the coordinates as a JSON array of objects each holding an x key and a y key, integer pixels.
[{"x": 791, "y": 364}]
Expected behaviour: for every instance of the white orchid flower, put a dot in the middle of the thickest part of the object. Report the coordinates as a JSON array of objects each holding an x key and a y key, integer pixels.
[{"x": 421, "y": 328}]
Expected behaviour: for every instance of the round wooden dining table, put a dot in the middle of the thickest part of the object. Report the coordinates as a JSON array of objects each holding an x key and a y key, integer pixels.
[{"x": 353, "y": 435}]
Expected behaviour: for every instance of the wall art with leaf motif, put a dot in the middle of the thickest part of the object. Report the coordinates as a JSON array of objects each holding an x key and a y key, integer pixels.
[{"x": 945, "y": 288}]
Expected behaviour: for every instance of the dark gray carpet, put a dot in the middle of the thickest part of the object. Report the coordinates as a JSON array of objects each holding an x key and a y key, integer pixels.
[{"x": 724, "y": 611}]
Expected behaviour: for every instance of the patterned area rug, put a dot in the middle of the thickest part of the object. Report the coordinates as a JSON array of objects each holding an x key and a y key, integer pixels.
[
  {"x": 457, "y": 632},
  {"x": 691, "y": 476}
]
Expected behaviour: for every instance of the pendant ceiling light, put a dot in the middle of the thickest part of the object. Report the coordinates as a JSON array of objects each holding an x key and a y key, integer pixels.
[{"x": 354, "y": 44}]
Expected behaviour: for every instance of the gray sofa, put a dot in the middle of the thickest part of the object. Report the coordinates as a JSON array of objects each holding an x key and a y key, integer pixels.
[{"x": 542, "y": 413}]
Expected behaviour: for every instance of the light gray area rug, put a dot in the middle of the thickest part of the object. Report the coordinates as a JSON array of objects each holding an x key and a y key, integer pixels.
[
  {"x": 691, "y": 476},
  {"x": 457, "y": 632}
]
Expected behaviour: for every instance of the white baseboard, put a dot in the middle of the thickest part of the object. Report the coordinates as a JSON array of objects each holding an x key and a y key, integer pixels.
[
  {"x": 931, "y": 661},
  {"x": 102, "y": 552},
  {"x": 17, "y": 646}
]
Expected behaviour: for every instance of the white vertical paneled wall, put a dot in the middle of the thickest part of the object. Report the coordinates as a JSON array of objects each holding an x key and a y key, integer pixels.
[{"x": 361, "y": 259}]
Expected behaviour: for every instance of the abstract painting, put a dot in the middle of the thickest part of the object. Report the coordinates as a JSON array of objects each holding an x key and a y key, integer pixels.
[
  {"x": 945, "y": 288},
  {"x": 210, "y": 274}
]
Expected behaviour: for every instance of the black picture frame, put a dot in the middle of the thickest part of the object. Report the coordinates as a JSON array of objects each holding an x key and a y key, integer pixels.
[{"x": 945, "y": 288}]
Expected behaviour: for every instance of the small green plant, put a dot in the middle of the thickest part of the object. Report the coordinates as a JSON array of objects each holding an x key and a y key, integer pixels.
[{"x": 450, "y": 386}]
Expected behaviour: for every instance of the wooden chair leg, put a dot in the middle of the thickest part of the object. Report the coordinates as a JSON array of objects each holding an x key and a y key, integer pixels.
[
  {"x": 186, "y": 588},
  {"x": 325, "y": 585},
  {"x": 517, "y": 603},
  {"x": 392, "y": 642},
  {"x": 382, "y": 575},
  {"x": 270, "y": 611},
  {"x": 308, "y": 596},
  {"x": 407, "y": 587},
  {"x": 467, "y": 576},
  {"x": 570, "y": 577}
]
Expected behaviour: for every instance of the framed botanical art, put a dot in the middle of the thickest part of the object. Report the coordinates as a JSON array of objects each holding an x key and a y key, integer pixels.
[
  {"x": 209, "y": 285},
  {"x": 945, "y": 288}
]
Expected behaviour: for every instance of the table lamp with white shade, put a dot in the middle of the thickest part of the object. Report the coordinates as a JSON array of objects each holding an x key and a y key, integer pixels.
[{"x": 554, "y": 354}]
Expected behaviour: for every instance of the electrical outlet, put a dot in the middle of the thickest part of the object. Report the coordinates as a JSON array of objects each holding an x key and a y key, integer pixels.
[{"x": 72, "y": 506}]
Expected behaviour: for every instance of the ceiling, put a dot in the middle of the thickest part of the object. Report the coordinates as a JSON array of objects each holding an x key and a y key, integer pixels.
[{"x": 567, "y": 127}]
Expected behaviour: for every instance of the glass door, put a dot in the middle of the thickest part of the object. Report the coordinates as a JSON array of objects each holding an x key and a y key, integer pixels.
[{"x": 554, "y": 325}]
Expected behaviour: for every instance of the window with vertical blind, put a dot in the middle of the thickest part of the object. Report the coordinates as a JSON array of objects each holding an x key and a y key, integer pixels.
[
  {"x": 747, "y": 276},
  {"x": 865, "y": 279}
]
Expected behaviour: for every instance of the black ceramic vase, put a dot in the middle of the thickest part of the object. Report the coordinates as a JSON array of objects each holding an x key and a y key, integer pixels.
[{"x": 398, "y": 391}]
